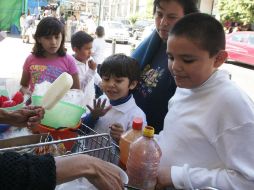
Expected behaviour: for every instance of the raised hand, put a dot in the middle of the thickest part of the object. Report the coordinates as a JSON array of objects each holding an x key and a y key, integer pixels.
[
  {"x": 99, "y": 108},
  {"x": 92, "y": 65}
]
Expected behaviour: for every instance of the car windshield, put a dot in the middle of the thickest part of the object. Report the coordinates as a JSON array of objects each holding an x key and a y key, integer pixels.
[
  {"x": 115, "y": 25},
  {"x": 126, "y": 22}
]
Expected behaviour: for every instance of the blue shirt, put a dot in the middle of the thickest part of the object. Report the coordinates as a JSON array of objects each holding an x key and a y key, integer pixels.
[{"x": 156, "y": 85}]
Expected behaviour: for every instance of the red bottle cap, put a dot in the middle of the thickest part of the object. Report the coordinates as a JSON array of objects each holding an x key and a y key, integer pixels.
[{"x": 137, "y": 123}]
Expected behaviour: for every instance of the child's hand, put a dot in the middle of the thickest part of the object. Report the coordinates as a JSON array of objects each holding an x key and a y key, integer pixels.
[
  {"x": 164, "y": 178},
  {"x": 116, "y": 130},
  {"x": 92, "y": 65},
  {"x": 99, "y": 109},
  {"x": 25, "y": 91}
]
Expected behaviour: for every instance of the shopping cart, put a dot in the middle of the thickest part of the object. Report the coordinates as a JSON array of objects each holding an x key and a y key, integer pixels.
[{"x": 87, "y": 142}]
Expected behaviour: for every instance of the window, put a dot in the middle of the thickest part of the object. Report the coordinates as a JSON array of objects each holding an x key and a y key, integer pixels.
[
  {"x": 251, "y": 39},
  {"x": 239, "y": 38}
]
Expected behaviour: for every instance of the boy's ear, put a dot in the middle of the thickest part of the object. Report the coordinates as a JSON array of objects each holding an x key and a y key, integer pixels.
[
  {"x": 220, "y": 58},
  {"x": 133, "y": 84},
  {"x": 75, "y": 49}
]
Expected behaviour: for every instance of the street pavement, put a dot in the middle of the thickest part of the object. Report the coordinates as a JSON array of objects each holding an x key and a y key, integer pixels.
[{"x": 14, "y": 52}]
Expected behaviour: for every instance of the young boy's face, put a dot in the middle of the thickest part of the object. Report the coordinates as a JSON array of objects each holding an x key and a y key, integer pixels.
[
  {"x": 190, "y": 65},
  {"x": 84, "y": 52},
  {"x": 117, "y": 87}
]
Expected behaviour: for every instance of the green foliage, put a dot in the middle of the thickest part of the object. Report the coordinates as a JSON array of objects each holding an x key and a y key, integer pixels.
[
  {"x": 237, "y": 10},
  {"x": 148, "y": 14},
  {"x": 133, "y": 18},
  {"x": 149, "y": 9}
]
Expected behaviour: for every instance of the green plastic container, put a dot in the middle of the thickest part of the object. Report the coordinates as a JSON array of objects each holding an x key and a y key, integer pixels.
[{"x": 63, "y": 114}]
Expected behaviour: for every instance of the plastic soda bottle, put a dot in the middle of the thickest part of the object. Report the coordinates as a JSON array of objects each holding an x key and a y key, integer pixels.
[
  {"x": 143, "y": 161},
  {"x": 127, "y": 138}
]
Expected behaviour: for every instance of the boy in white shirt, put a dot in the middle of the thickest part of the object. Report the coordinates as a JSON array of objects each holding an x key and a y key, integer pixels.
[
  {"x": 208, "y": 132},
  {"x": 114, "y": 112},
  {"x": 99, "y": 47},
  {"x": 81, "y": 44}
]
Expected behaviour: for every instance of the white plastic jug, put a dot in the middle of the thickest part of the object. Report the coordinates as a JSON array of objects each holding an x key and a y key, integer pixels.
[{"x": 57, "y": 90}]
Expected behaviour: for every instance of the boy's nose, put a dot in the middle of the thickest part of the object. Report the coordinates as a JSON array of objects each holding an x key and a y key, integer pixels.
[
  {"x": 175, "y": 65},
  {"x": 111, "y": 83}
]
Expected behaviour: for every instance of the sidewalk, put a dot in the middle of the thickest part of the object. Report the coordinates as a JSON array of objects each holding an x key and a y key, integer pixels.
[{"x": 14, "y": 52}]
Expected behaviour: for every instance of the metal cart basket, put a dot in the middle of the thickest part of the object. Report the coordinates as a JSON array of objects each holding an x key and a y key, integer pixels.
[{"x": 87, "y": 142}]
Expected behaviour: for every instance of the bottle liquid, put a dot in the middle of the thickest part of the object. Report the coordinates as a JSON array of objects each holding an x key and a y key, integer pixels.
[
  {"x": 127, "y": 138},
  {"x": 143, "y": 161}
]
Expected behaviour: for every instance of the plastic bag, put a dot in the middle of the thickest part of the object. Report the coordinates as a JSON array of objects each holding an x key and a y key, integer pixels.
[{"x": 78, "y": 184}]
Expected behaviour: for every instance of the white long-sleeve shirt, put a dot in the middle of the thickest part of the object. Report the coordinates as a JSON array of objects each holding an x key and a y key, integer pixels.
[
  {"x": 208, "y": 136},
  {"x": 122, "y": 114},
  {"x": 88, "y": 78},
  {"x": 99, "y": 50}
]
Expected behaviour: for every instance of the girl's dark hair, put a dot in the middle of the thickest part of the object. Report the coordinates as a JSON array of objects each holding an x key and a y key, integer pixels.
[
  {"x": 202, "y": 29},
  {"x": 120, "y": 65},
  {"x": 80, "y": 38},
  {"x": 48, "y": 26},
  {"x": 189, "y": 6}
]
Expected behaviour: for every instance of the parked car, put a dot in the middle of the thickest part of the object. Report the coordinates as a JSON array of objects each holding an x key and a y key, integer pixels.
[
  {"x": 115, "y": 30},
  {"x": 147, "y": 31},
  {"x": 240, "y": 47},
  {"x": 139, "y": 27},
  {"x": 127, "y": 25}
]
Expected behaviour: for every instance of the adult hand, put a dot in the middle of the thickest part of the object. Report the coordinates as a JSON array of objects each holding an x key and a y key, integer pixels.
[
  {"x": 99, "y": 108},
  {"x": 105, "y": 175},
  {"x": 28, "y": 116},
  {"x": 116, "y": 130},
  {"x": 100, "y": 173},
  {"x": 164, "y": 178},
  {"x": 92, "y": 65}
]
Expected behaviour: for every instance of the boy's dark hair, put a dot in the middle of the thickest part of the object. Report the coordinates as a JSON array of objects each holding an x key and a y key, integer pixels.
[
  {"x": 189, "y": 6},
  {"x": 48, "y": 26},
  {"x": 120, "y": 65},
  {"x": 203, "y": 30},
  {"x": 100, "y": 31},
  {"x": 80, "y": 38}
]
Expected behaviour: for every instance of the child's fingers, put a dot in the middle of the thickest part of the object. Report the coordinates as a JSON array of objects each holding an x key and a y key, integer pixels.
[
  {"x": 91, "y": 109},
  {"x": 98, "y": 103},
  {"x": 103, "y": 103},
  {"x": 116, "y": 128},
  {"x": 94, "y": 103},
  {"x": 115, "y": 135},
  {"x": 107, "y": 108}
]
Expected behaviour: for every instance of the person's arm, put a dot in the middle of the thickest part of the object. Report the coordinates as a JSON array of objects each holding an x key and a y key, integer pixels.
[
  {"x": 85, "y": 78},
  {"x": 27, "y": 171},
  {"x": 89, "y": 121},
  {"x": 76, "y": 84},
  {"x": 234, "y": 147},
  {"x": 29, "y": 116},
  {"x": 24, "y": 82},
  {"x": 100, "y": 173}
]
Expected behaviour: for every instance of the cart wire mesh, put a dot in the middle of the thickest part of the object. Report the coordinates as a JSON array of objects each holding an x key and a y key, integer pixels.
[{"x": 88, "y": 142}]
